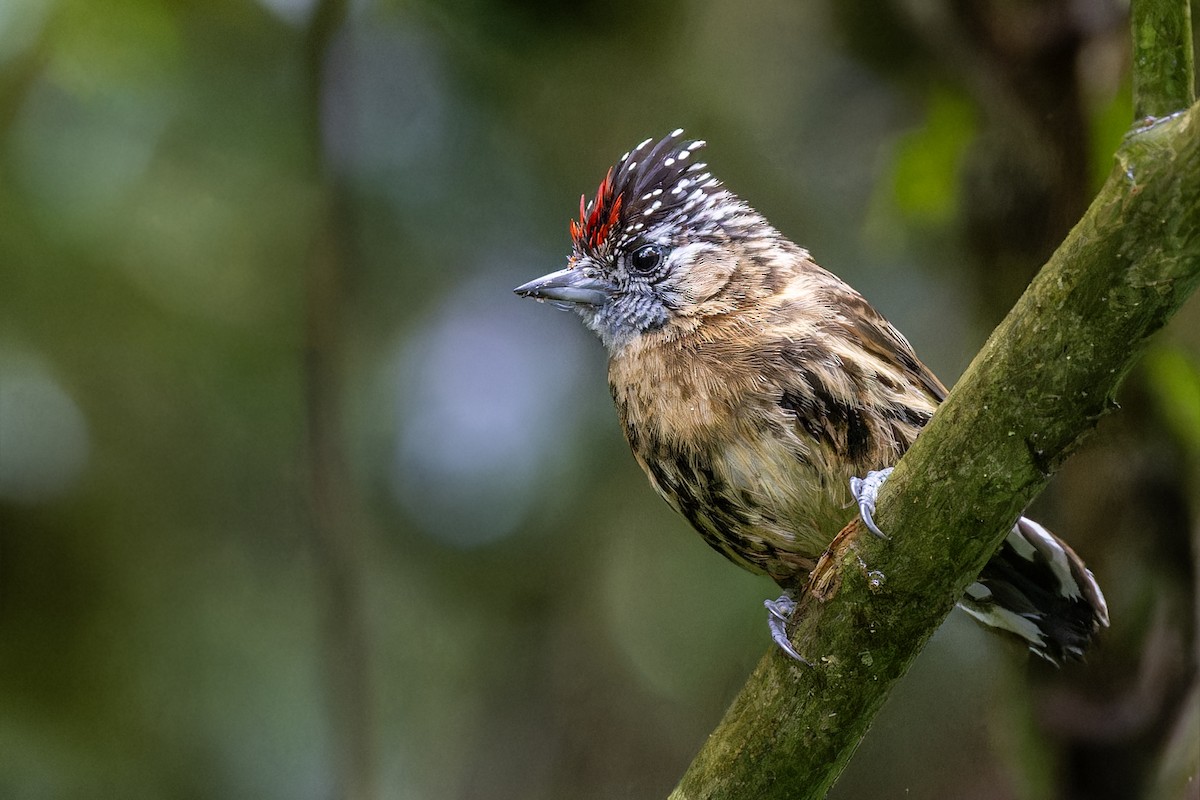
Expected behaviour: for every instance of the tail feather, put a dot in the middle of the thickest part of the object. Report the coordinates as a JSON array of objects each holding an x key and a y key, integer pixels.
[{"x": 1037, "y": 588}]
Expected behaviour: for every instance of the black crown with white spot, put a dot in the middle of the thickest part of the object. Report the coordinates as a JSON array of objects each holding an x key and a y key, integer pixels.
[{"x": 650, "y": 187}]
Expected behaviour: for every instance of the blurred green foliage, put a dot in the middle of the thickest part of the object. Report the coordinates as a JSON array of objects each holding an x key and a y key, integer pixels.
[
  {"x": 1175, "y": 376},
  {"x": 926, "y": 172}
]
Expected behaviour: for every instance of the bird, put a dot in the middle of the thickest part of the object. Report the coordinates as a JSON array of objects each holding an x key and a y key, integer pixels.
[{"x": 754, "y": 387}]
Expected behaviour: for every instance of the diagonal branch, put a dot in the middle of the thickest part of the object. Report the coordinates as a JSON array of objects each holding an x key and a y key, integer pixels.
[{"x": 1043, "y": 379}]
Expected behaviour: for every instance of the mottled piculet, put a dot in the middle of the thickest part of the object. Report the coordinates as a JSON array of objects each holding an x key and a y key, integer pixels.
[{"x": 752, "y": 385}]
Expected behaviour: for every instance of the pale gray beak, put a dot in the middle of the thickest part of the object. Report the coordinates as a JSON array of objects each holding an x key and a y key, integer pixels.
[{"x": 568, "y": 286}]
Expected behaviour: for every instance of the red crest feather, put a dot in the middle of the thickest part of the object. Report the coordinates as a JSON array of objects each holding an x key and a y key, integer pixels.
[
  {"x": 592, "y": 228},
  {"x": 649, "y": 183}
]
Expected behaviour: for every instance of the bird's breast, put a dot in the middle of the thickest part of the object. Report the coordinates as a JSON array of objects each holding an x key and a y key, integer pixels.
[{"x": 716, "y": 445}]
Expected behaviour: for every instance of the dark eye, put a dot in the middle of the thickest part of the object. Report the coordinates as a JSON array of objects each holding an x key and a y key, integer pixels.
[{"x": 646, "y": 259}]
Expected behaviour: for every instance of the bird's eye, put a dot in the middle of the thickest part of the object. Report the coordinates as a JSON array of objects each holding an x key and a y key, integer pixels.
[{"x": 646, "y": 259}]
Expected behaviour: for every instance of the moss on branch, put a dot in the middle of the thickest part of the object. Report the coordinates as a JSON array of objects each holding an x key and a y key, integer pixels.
[{"x": 1163, "y": 79}]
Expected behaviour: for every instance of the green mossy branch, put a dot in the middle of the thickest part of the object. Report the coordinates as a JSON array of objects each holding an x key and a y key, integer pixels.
[
  {"x": 1163, "y": 79},
  {"x": 1043, "y": 379}
]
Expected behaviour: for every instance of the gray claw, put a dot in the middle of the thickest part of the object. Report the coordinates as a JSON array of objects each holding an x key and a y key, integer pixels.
[
  {"x": 778, "y": 613},
  {"x": 865, "y": 491}
]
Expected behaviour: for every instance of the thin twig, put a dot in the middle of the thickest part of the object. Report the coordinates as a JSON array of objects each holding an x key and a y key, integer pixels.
[{"x": 337, "y": 536}]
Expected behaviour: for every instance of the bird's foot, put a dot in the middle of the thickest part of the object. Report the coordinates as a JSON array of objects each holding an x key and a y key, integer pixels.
[
  {"x": 778, "y": 613},
  {"x": 865, "y": 491}
]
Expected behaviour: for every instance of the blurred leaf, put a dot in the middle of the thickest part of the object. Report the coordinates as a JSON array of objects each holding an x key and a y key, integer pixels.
[
  {"x": 925, "y": 174},
  {"x": 1110, "y": 123},
  {"x": 118, "y": 42},
  {"x": 20, "y": 23},
  {"x": 1174, "y": 375},
  {"x": 43, "y": 433},
  {"x": 78, "y": 153}
]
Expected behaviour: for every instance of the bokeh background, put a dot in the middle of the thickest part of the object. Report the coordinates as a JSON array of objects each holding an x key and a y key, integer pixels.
[{"x": 297, "y": 500}]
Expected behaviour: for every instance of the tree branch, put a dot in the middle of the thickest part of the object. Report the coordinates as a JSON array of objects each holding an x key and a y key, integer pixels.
[
  {"x": 1163, "y": 78},
  {"x": 1041, "y": 382}
]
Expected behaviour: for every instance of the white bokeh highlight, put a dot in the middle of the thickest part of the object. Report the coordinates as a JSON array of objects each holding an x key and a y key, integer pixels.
[
  {"x": 44, "y": 439},
  {"x": 487, "y": 405}
]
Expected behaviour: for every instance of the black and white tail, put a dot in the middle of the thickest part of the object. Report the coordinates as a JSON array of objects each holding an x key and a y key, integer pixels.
[{"x": 1037, "y": 588}]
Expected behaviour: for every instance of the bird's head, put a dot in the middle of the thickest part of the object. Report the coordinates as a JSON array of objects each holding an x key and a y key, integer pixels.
[{"x": 661, "y": 243}]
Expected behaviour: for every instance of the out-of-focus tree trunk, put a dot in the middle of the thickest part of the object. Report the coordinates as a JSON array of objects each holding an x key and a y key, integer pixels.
[{"x": 336, "y": 527}]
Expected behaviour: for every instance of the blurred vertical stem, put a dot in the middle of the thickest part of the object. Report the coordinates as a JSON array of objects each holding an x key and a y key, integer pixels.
[
  {"x": 1163, "y": 74},
  {"x": 337, "y": 536}
]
